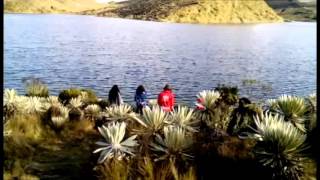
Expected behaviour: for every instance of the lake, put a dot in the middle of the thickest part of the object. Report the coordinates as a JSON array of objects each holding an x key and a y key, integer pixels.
[{"x": 96, "y": 52}]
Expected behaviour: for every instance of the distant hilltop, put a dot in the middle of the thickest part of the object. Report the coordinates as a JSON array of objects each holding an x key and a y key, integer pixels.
[
  {"x": 183, "y": 11},
  {"x": 50, "y": 6},
  {"x": 295, "y": 10}
]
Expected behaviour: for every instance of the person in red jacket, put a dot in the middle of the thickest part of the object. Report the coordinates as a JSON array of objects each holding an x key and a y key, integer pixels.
[{"x": 166, "y": 99}]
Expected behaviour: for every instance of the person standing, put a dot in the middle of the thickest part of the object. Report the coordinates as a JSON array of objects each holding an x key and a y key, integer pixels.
[
  {"x": 115, "y": 96},
  {"x": 166, "y": 99},
  {"x": 140, "y": 98}
]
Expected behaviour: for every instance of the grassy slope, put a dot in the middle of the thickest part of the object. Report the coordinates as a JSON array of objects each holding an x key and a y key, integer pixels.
[
  {"x": 204, "y": 11},
  {"x": 225, "y": 12},
  {"x": 295, "y": 10},
  {"x": 197, "y": 11},
  {"x": 49, "y": 6}
]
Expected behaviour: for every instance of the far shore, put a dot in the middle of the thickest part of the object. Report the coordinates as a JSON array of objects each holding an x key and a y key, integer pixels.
[{"x": 66, "y": 13}]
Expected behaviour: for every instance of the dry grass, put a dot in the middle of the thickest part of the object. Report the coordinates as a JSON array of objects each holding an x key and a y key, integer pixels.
[
  {"x": 50, "y": 6},
  {"x": 29, "y": 127},
  {"x": 209, "y": 12},
  {"x": 183, "y": 11}
]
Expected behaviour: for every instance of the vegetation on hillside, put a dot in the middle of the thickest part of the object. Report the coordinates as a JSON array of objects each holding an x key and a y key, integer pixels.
[
  {"x": 294, "y": 10},
  {"x": 184, "y": 11},
  {"x": 49, "y": 6},
  {"x": 196, "y": 11},
  {"x": 43, "y": 140}
]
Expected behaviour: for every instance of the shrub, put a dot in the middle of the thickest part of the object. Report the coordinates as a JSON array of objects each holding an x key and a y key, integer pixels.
[
  {"x": 68, "y": 94},
  {"x": 60, "y": 120},
  {"x": 87, "y": 96},
  {"x": 115, "y": 145},
  {"x": 183, "y": 117},
  {"x": 153, "y": 120},
  {"x": 13, "y": 103},
  {"x": 175, "y": 144},
  {"x": 103, "y": 104},
  {"x": 214, "y": 111},
  {"x": 92, "y": 111},
  {"x": 35, "y": 87},
  {"x": 311, "y": 116},
  {"x": 75, "y": 114},
  {"x": 123, "y": 112},
  {"x": 280, "y": 147},
  {"x": 242, "y": 117},
  {"x": 292, "y": 108},
  {"x": 35, "y": 105},
  {"x": 228, "y": 94},
  {"x": 27, "y": 125}
]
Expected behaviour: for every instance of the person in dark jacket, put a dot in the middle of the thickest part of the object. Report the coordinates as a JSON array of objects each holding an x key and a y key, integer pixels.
[
  {"x": 140, "y": 98},
  {"x": 166, "y": 99},
  {"x": 114, "y": 96}
]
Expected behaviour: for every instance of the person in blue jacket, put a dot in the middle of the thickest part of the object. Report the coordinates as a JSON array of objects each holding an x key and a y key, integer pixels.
[{"x": 140, "y": 98}]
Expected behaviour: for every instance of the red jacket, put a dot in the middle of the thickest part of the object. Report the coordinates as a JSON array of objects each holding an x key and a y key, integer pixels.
[{"x": 166, "y": 100}]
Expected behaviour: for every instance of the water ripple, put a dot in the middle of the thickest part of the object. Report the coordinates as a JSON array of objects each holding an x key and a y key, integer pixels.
[{"x": 91, "y": 52}]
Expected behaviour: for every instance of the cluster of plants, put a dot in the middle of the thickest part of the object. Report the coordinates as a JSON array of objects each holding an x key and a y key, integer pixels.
[
  {"x": 150, "y": 9},
  {"x": 226, "y": 131}
]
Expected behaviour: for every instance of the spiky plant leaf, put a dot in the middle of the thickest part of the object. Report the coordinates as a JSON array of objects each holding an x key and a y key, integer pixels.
[
  {"x": 183, "y": 117},
  {"x": 208, "y": 97},
  {"x": 115, "y": 146},
  {"x": 59, "y": 121},
  {"x": 175, "y": 144},
  {"x": 35, "y": 104},
  {"x": 153, "y": 119},
  {"x": 292, "y": 108},
  {"x": 206, "y": 105},
  {"x": 53, "y": 100},
  {"x": 37, "y": 88},
  {"x": 153, "y": 102},
  {"x": 313, "y": 100},
  {"x": 10, "y": 96},
  {"x": 119, "y": 112},
  {"x": 280, "y": 147},
  {"x": 272, "y": 103},
  {"x": 311, "y": 116},
  {"x": 76, "y": 102},
  {"x": 92, "y": 111},
  {"x": 12, "y": 102}
]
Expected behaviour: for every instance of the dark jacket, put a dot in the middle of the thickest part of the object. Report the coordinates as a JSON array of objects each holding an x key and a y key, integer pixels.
[
  {"x": 141, "y": 99},
  {"x": 116, "y": 100}
]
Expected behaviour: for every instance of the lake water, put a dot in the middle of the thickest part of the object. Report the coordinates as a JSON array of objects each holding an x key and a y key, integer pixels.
[{"x": 95, "y": 52}]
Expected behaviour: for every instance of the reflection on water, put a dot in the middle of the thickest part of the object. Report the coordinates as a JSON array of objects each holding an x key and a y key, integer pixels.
[{"x": 85, "y": 51}]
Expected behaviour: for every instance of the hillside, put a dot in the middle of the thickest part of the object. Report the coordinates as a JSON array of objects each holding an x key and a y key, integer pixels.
[
  {"x": 49, "y": 6},
  {"x": 295, "y": 10},
  {"x": 225, "y": 12},
  {"x": 195, "y": 11},
  {"x": 184, "y": 11}
]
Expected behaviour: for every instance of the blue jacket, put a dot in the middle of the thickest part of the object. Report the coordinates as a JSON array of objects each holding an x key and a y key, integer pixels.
[{"x": 141, "y": 99}]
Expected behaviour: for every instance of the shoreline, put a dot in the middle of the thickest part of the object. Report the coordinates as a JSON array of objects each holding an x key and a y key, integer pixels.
[{"x": 160, "y": 21}]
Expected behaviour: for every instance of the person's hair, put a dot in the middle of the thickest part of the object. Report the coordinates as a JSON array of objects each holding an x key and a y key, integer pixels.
[
  {"x": 140, "y": 89},
  {"x": 113, "y": 93},
  {"x": 167, "y": 87}
]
